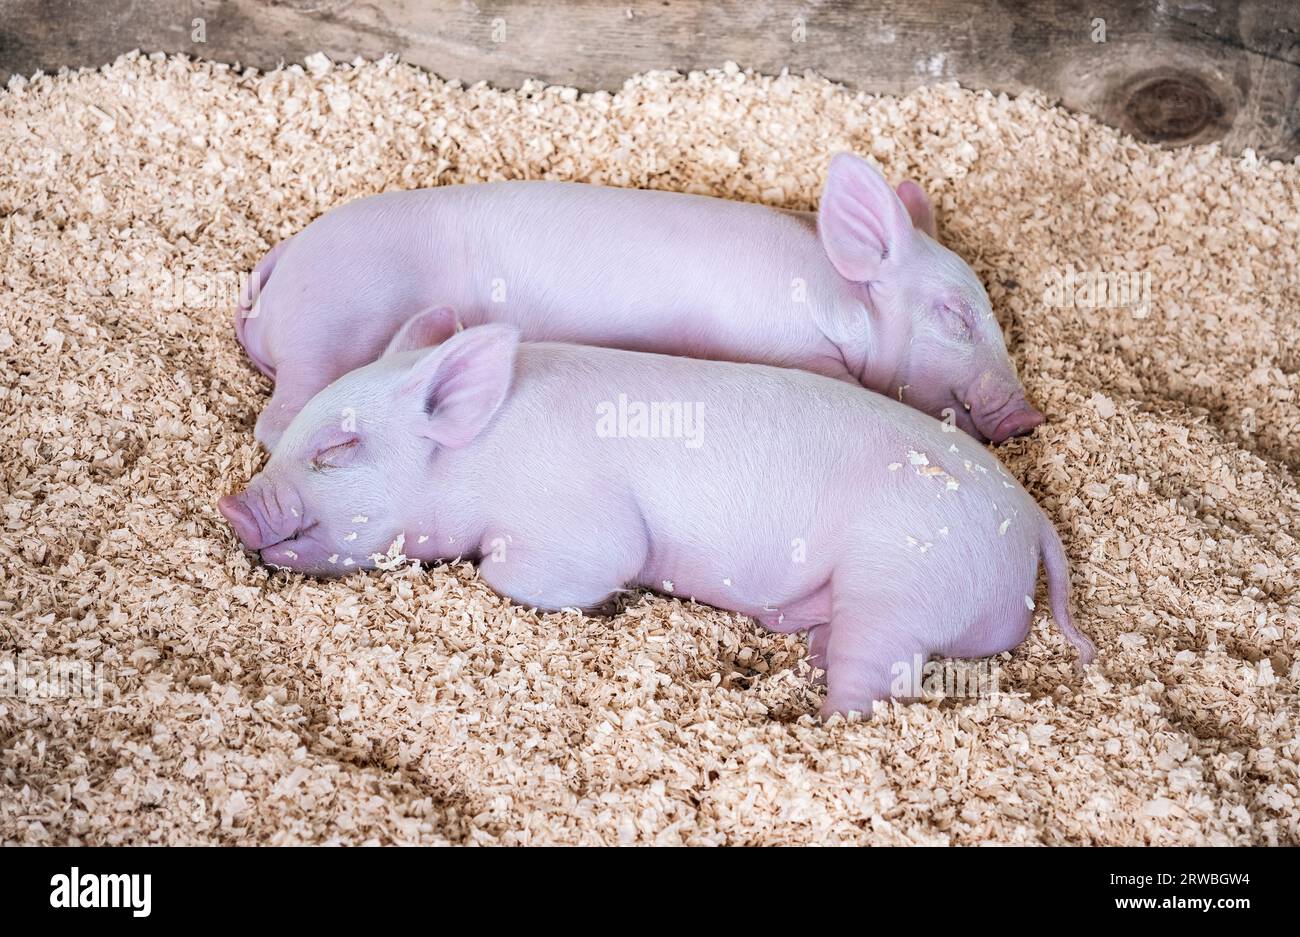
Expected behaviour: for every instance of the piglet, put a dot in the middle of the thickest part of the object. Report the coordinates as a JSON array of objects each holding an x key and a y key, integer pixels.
[
  {"x": 862, "y": 291},
  {"x": 805, "y": 502}
]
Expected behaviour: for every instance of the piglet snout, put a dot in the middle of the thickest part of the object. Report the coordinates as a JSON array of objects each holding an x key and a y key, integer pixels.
[
  {"x": 1020, "y": 422},
  {"x": 998, "y": 407},
  {"x": 263, "y": 515},
  {"x": 241, "y": 519}
]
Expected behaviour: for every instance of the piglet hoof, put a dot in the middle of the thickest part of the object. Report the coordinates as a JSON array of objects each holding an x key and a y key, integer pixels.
[
  {"x": 831, "y": 711},
  {"x": 811, "y": 670},
  {"x": 818, "y": 637}
]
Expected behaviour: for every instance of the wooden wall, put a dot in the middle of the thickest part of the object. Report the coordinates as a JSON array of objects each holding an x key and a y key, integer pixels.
[{"x": 1174, "y": 71}]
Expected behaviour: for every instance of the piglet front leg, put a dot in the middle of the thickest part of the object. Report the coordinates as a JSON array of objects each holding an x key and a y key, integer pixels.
[{"x": 554, "y": 559}]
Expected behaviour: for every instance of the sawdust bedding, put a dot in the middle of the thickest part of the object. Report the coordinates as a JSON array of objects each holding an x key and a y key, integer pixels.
[{"x": 241, "y": 706}]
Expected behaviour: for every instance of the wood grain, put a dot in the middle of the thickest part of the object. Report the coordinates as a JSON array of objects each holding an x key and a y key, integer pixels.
[{"x": 1172, "y": 72}]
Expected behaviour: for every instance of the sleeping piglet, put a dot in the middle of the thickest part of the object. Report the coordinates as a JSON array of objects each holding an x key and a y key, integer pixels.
[
  {"x": 805, "y": 502},
  {"x": 861, "y": 291}
]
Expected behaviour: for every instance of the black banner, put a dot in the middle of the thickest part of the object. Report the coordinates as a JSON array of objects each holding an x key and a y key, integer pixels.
[{"x": 142, "y": 886}]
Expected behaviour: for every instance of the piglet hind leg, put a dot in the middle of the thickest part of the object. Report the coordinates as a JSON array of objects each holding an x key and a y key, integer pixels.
[{"x": 867, "y": 656}]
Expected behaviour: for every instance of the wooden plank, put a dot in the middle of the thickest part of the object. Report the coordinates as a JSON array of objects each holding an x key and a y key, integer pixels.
[{"x": 1168, "y": 71}]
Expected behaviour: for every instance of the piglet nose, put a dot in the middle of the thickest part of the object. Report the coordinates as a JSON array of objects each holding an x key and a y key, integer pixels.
[
  {"x": 234, "y": 510},
  {"x": 1018, "y": 423},
  {"x": 264, "y": 513}
]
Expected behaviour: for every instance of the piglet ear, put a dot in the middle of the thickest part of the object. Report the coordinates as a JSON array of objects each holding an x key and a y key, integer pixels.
[
  {"x": 424, "y": 330},
  {"x": 919, "y": 207},
  {"x": 455, "y": 388},
  {"x": 861, "y": 220}
]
